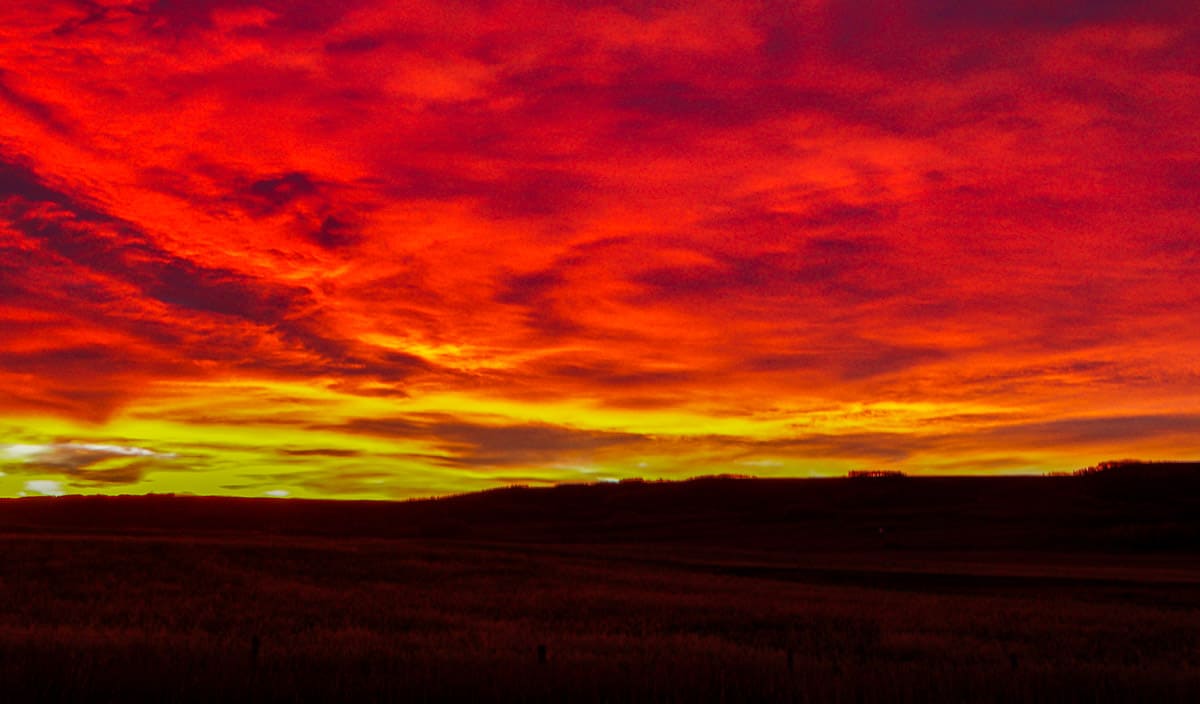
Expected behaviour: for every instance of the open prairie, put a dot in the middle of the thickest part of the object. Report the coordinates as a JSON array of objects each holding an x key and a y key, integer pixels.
[
  {"x": 190, "y": 599},
  {"x": 421, "y": 351}
]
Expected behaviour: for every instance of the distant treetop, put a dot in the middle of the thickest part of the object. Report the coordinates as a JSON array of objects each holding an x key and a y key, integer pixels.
[
  {"x": 1142, "y": 470},
  {"x": 1109, "y": 466}
]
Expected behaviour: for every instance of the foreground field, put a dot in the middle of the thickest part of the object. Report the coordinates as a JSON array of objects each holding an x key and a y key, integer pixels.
[{"x": 264, "y": 618}]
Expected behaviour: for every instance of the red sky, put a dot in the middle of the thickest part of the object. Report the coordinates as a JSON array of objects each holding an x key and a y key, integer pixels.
[{"x": 378, "y": 249}]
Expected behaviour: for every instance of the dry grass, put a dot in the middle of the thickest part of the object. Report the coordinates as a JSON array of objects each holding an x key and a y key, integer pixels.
[{"x": 151, "y": 619}]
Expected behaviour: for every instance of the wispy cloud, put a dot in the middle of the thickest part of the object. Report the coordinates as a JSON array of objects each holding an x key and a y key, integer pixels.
[
  {"x": 44, "y": 487},
  {"x": 85, "y": 462},
  {"x": 593, "y": 227}
]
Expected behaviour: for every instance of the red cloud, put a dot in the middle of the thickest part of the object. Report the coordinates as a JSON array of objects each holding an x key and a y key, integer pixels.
[{"x": 634, "y": 204}]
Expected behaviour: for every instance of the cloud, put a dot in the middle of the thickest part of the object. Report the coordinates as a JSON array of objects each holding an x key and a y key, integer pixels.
[
  {"x": 469, "y": 444},
  {"x": 39, "y": 111},
  {"x": 850, "y": 359},
  {"x": 482, "y": 445},
  {"x": 682, "y": 214},
  {"x": 44, "y": 487},
  {"x": 1129, "y": 430},
  {"x": 268, "y": 16},
  {"x": 158, "y": 314},
  {"x": 106, "y": 245},
  {"x": 270, "y": 194},
  {"x": 85, "y": 462},
  {"x": 1080, "y": 435},
  {"x": 599, "y": 374},
  {"x": 74, "y": 455},
  {"x": 762, "y": 221},
  {"x": 1045, "y": 16},
  {"x": 320, "y": 452},
  {"x": 535, "y": 193},
  {"x": 844, "y": 270}
]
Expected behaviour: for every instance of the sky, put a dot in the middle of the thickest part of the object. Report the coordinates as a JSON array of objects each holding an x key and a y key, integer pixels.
[{"x": 371, "y": 249}]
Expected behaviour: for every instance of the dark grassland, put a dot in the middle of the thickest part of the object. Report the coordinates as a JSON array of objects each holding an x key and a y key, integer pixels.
[{"x": 990, "y": 590}]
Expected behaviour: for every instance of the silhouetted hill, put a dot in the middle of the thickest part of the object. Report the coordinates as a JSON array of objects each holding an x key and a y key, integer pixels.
[
  {"x": 1137, "y": 470},
  {"x": 1153, "y": 507}
]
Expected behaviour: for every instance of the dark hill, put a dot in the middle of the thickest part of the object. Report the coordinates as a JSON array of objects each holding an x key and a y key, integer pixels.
[{"x": 1135, "y": 507}]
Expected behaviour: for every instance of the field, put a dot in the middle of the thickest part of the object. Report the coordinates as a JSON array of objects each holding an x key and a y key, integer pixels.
[{"x": 210, "y": 608}]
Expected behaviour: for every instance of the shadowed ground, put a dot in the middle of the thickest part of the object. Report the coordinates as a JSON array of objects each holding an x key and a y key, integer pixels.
[{"x": 1077, "y": 589}]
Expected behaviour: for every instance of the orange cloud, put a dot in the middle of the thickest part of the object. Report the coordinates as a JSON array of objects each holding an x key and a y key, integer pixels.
[{"x": 595, "y": 239}]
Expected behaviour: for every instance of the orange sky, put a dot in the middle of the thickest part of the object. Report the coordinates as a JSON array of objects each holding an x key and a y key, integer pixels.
[{"x": 378, "y": 249}]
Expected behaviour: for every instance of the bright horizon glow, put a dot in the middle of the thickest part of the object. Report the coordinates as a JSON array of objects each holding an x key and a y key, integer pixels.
[{"x": 361, "y": 250}]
